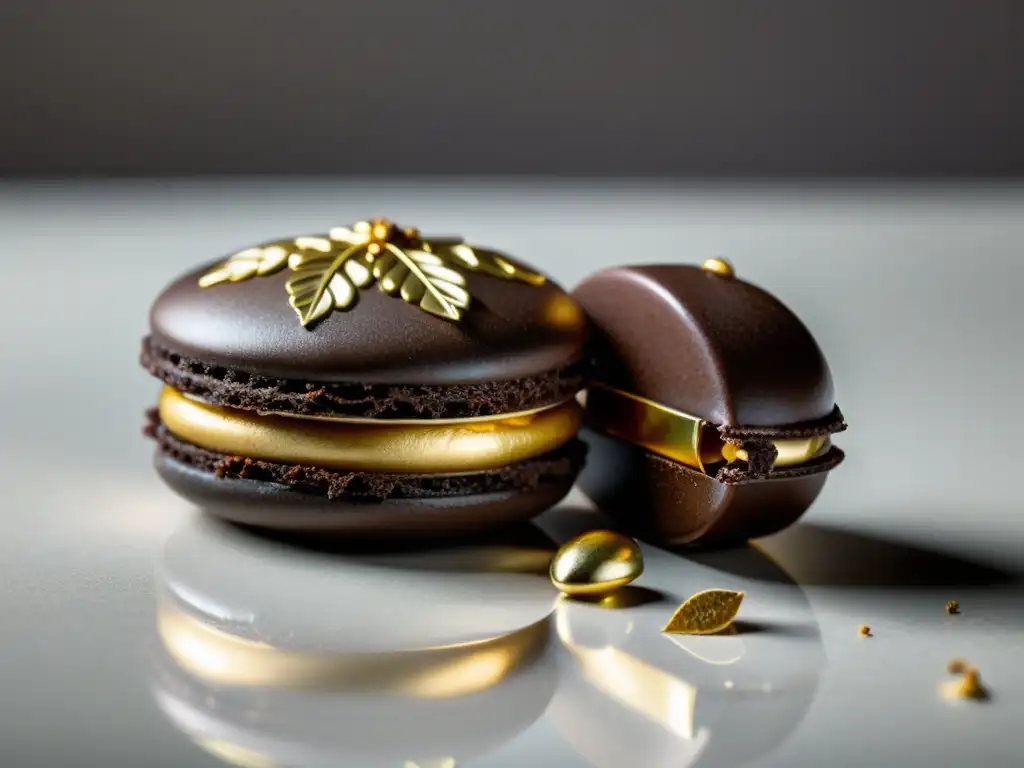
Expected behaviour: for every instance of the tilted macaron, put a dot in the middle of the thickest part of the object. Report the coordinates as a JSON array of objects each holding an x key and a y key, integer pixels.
[
  {"x": 370, "y": 380},
  {"x": 710, "y": 413}
]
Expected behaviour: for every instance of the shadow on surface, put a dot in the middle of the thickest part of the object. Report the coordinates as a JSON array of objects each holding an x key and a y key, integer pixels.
[
  {"x": 517, "y": 535},
  {"x": 817, "y": 555},
  {"x": 811, "y": 554},
  {"x": 782, "y": 629}
]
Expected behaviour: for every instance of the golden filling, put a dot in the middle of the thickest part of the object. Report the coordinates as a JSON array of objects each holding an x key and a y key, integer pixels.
[
  {"x": 679, "y": 436},
  {"x": 448, "y": 448}
]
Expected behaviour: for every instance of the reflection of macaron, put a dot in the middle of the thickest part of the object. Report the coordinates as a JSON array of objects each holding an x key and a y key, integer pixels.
[
  {"x": 367, "y": 380},
  {"x": 717, "y": 700},
  {"x": 448, "y": 660},
  {"x": 712, "y": 407}
]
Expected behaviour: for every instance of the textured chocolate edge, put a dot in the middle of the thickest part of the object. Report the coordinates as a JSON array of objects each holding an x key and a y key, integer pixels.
[
  {"x": 828, "y": 425},
  {"x": 757, "y": 442},
  {"x": 222, "y": 386},
  {"x": 742, "y": 473},
  {"x": 370, "y": 487}
]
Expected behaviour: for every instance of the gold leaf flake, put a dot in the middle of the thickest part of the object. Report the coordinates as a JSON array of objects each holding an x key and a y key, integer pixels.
[
  {"x": 705, "y": 613},
  {"x": 952, "y": 607}
]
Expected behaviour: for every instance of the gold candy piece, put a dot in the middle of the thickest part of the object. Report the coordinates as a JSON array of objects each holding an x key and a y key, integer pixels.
[
  {"x": 596, "y": 563},
  {"x": 329, "y": 270},
  {"x": 864, "y": 630},
  {"x": 705, "y": 613},
  {"x": 720, "y": 267}
]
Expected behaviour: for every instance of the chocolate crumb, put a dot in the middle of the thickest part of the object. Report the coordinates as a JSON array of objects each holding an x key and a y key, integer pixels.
[
  {"x": 971, "y": 687},
  {"x": 968, "y": 687},
  {"x": 956, "y": 666},
  {"x": 865, "y": 630},
  {"x": 952, "y": 607}
]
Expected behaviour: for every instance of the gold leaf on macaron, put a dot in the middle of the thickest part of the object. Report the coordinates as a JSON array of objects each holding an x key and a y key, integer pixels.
[
  {"x": 490, "y": 263},
  {"x": 705, "y": 613},
  {"x": 252, "y": 262},
  {"x": 330, "y": 269},
  {"x": 319, "y": 286},
  {"x": 422, "y": 278}
]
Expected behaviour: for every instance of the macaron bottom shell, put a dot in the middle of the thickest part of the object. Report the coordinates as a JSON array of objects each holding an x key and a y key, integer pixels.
[
  {"x": 272, "y": 505},
  {"x": 664, "y": 502}
]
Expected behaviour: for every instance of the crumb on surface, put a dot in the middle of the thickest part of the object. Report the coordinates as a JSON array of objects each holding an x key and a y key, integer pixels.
[
  {"x": 956, "y": 666},
  {"x": 952, "y": 607},
  {"x": 864, "y": 631},
  {"x": 969, "y": 686}
]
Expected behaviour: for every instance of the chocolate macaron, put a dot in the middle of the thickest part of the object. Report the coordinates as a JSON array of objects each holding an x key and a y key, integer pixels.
[
  {"x": 710, "y": 413},
  {"x": 369, "y": 380}
]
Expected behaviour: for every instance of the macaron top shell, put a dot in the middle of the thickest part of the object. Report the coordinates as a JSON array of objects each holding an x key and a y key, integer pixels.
[
  {"x": 712, "y": 346},
  {"x": 511, "y": 330}
]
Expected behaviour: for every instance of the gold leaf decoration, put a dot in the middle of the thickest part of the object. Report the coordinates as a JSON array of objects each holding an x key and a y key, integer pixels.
[
  {"x": 705, "y": 613},
  {"x": 329, "y": 270},
  {"x": 321, "y": 285},
  {"x": 422, "y": 278},
  {"x": 265, "y": 260},
  {"x": 492, "y": 263}
]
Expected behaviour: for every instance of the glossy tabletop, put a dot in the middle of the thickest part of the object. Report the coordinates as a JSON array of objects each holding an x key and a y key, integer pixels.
[{"x": 136, "y": 632}]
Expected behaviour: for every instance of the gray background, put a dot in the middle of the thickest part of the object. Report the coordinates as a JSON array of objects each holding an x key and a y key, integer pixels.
[
  {"x": 700, "y": 87},
  {"x": 912, "y": 291}
]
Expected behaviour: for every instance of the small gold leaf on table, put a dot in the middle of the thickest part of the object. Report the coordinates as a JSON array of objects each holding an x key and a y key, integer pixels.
[{"x": 705, "y": 613}]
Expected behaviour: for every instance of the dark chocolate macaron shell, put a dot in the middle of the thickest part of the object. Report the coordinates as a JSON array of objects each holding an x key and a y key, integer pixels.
[
  {"x": 518, "y": 347},
  {"x": 243, "y": 352},
  {"x": 728, "y": 353},
  {"x": 369, "y": 505}
]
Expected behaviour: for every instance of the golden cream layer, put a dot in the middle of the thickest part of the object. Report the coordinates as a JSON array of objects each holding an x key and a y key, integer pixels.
[
  {"x": 680, "y": 436},
  {"x": 448, "y": 448}
]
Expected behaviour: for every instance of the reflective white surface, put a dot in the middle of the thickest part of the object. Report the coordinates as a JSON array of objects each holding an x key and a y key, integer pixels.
[{"x": 913, "y": 294}]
